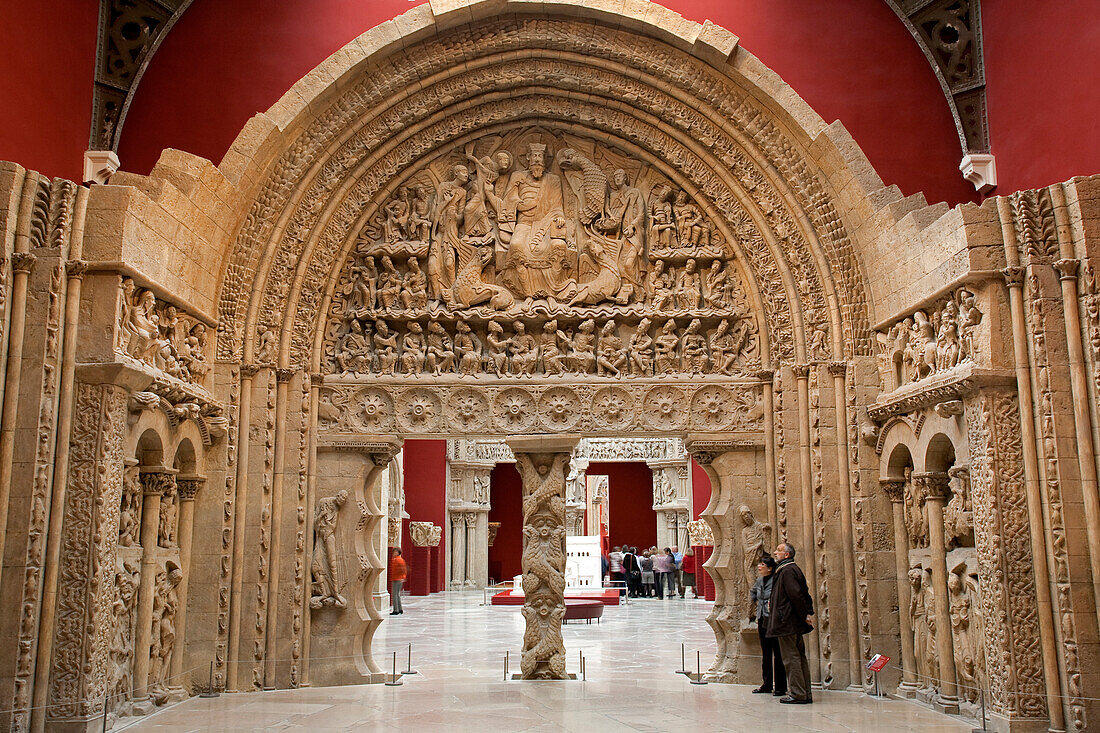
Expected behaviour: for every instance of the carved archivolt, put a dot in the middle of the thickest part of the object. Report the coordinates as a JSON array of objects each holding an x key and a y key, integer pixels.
[{"x": 385, "y": 200}]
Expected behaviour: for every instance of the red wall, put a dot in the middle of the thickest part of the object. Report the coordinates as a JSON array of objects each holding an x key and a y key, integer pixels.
[
  {"x": 700, "y": 489},
  {"x": 1042, "y": 61},
  {"x": 424, "y": 465},
  {"x": 47, "y": 53},
  {"x": 632, "y": 520},
  {"x": 506, "y": 507},
  {"x": 850, "y": 59}
]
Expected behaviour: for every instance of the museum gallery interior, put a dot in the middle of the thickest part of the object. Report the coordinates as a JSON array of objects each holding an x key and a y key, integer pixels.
[{"x": 287, "y": 286}]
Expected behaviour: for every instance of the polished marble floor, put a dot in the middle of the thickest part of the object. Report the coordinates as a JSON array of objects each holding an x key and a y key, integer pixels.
[{"x": 458, "y": 650}]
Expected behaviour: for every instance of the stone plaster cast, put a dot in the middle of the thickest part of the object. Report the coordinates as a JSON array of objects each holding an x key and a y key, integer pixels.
[{"x": 618, "y": 223}]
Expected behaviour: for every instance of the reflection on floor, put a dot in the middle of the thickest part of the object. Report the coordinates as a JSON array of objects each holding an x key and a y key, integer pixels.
[{"x": 630, "y": 659}]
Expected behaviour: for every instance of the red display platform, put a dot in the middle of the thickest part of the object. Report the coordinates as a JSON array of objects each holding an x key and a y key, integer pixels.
[
  {"x": 702, "y": 575},
  {"x": 607, "y": 598}
]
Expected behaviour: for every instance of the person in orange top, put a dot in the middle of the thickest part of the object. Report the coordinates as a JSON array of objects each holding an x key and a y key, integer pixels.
[{"x": 398, "y": 573}]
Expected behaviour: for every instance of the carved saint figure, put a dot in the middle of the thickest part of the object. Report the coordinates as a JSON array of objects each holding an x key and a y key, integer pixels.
[
  {"x": 418, "y": 228},
  {"x": 716, "y": 287},
  {"x": 963, "y": 641},
  {"x": 446, "y": 232},
  {"x": 665, "y": 348},
  {"x": 690, "y": 224},
  {"x": 129, "y": 518},
  {"x": 389, "y": 285},
  {"x": 524, "y": 350},
  {"x": 353, "y": 351},
  {"x": 326, "y": 576},
  {"x": 693, "y": 349},
  {"x": 551, "y": 357},
  {"x": 640, "y": 350},
  {"x": 467, "y": 349},
  {"x": 611, "y": 357},
  {"x": 661, "y": 286},
  {"x": 166, "y": 534},
  {"x": 687, "y": 287},
  {"x": 166, "y": 602},
  {"x": 626, "y": 209},
  {"x": 441, "y": 355},
  {"x": 123, "y": 607},
  {"x": 498, "y": 346},
  {"x": 414, "y": 289},
  {"x": 662, "y": 229},
  {"x": 755, "y": 539},
  {"x": 584, "y": 348},
  {"x": 385, "y": 347},
  {"x": 919, "y": 620},
  {"x": 396, "y": 213},
  {"x": 969, "y": 318},
  {"x": 364, "y": 286},
  {"x": 412, "y": 349}
]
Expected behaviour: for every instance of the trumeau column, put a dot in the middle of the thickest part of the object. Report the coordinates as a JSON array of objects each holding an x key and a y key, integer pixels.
[
  {"x": 895, "y": 489},
  {"x": 728, "y": 462},
  {"x": 187, "y": 487},
  {"x": 156, "y": 483},
  {"x": 935, "y": 491},
  {"x": 543, "y": 464},
  {"x": 805, "y": 461}
]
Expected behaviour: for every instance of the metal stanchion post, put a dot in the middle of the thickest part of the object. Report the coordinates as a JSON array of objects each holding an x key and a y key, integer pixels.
[
  {"x": 409, "y": 669},
  {"x": 584, "y": 676},
  {"x": 505, "y": 666},
  {"x": 981, "y": 701},
  {"x": 104, "y": 729},
  {"x": 394, "y": 682},
  {"x": 683, "y": 664},
  {"x": 210, "y": 691},
  {"x": 698, "y": 670}
]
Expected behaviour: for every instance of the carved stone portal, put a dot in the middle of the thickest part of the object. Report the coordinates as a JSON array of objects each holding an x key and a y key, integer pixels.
[{"x": 543, "y": 561}]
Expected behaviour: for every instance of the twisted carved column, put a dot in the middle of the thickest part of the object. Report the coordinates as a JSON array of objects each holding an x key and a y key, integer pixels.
[
  {"x": 155, "y": 483},
  {"x": 543, "y": 464},
  {"x": 895, "y": 489},
  {"x": 936, "y": 487}
]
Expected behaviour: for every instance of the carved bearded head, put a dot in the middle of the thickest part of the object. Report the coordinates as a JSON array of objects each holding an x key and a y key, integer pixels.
[{"x": 536, "y": 159}]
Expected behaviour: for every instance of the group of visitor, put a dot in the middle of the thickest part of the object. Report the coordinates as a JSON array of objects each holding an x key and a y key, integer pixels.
[
  {"x": 651, "y": 573},
  {"x": 783, "y": 613}
]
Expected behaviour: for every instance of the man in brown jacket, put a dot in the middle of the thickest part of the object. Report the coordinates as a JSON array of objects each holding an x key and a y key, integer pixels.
[{"x": 792, "y": 612}]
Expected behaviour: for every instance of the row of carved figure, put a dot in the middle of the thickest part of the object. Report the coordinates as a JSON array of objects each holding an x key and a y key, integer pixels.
[
  {"x": 159, "y": 335},
  {"x": 966, "y": 628},
  {"x": 557, "y": 229},
  {"x": 730, "y": 348},
  {"x": 372, "y": 289},
  {"x": 922, "y": 344}
]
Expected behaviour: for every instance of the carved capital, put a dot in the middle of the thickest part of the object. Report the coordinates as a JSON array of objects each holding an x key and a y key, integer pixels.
[
  {"x": 420, "y": 533},
  {"x": 316, "y": 379},
  {"x": 838, "y": 368},
  {"x": 765, "y": 375},
  {"x": 1067, "y": 268},
  {"x": 285, "y": 375},
  {"x": 935, "y": 485},
  {"x": 249, "y": 370},
  {"x": 382, "y": 455},
  {"x": 22, "y": 261},
  {"x": 801, "y": 371},
  {"x": 893, "y": 488},
  {"x": 158, "y": 481},
  {"x": 76, "y": 269},
  {"x": 1014, "y": 276},
  {"x": 189, "y": 487},
  {"x": 494, "y": 527}
]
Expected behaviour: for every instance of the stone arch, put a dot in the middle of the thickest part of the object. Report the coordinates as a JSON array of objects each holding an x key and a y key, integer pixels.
[
  {"x": 150, "y": 438},
  {"x": 749, "y": 111},
  {"x": 939, "y": 453}
]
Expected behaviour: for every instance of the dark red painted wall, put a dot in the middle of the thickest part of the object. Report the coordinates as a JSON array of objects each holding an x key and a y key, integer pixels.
[
  {"x": 47, "y": 65},
  {"x": 850, "y": 59},
  {"x": 506, "y": 507},
  {"x": 1044, "y": 100},
  {"x": 630, "y": 498},
  {"x": 424, "y": 465},
  {"x": 700, "y": 489}
]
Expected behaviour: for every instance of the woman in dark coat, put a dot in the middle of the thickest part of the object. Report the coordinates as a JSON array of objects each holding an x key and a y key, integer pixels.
[{"x": 771, "y": 664}]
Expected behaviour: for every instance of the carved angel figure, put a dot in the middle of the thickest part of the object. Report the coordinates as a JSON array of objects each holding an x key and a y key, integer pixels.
[{"x": 324, "y": 567}]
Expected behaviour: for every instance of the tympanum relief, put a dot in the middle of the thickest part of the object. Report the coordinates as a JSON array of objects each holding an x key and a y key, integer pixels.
[{"x": 535, "y": 258}]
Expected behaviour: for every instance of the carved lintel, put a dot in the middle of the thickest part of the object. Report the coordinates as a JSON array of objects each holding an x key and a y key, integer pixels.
[
  {"x": 1067, "y": 268},
  {"x": 1014, "y": 276},
  {"x": 893, "y": 488},
  {"x": 935, "y": 485},
  {"x": 23, "y": 261}
]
